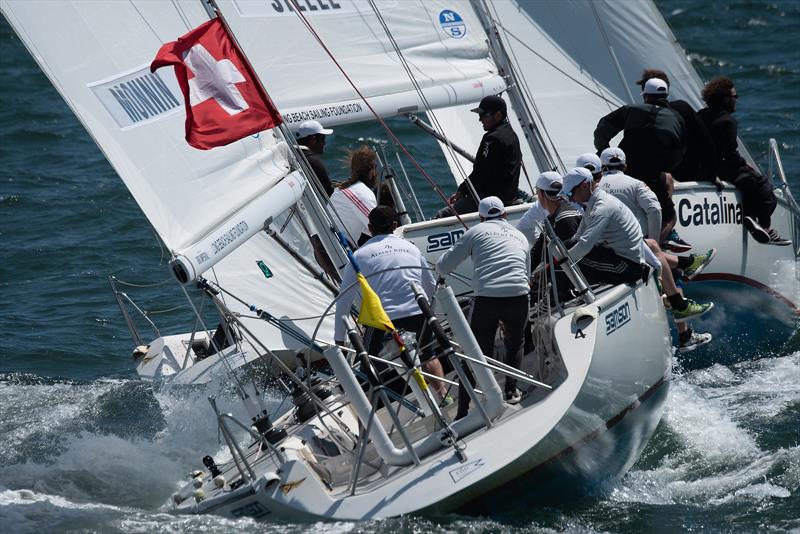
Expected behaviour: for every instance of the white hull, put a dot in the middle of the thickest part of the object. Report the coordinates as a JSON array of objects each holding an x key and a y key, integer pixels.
[
  {"x": 709, "y": 219},
  {"x": 586, "y": 432}
]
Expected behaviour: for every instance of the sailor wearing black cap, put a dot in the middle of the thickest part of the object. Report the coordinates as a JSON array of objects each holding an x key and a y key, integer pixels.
[
  {"x": 497, "y": 163},
  {"x": 502, "y": 262}
]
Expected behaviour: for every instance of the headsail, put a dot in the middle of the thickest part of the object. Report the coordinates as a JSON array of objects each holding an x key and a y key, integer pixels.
[{"x": 442, "y": 43}]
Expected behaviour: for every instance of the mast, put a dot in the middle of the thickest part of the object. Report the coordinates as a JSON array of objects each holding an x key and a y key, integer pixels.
[{"x": 545, "y": 159}]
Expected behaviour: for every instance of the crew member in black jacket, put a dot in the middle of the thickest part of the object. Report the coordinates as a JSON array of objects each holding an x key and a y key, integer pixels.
[
  {"x": 699, "y": 162},
  {"x": 758, "y": 197},
  {"x": 497, "y": 163}
]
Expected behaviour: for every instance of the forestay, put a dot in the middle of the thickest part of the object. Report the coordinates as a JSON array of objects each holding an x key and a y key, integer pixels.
[{"x": 442, "y": 42}]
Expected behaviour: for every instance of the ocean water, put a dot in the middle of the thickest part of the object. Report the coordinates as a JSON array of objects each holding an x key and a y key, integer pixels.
[{"x": 84, "y": 446}]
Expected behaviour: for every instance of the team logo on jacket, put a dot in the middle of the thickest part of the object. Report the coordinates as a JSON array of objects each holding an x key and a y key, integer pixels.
[{"x": 452, "y": 24}]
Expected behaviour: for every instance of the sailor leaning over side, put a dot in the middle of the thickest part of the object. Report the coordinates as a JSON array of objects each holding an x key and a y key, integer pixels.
[
  {"x": 609, "y": 247},
  {"x": 501, "y": 257},
  {"x": 645, "y": 206}
]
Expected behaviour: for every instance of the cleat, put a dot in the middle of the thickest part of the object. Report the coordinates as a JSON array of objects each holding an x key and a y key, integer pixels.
[
  {"x": 675, "y": 243},
  {"x": 775, "y": 239},
  {"x": 513, "y": 396},
  {"x": 694, "y": 341},
  {"x": 692, "y": 310},
  {"x": 700, "y": 262},
  {"x": 756, "y": 230}
]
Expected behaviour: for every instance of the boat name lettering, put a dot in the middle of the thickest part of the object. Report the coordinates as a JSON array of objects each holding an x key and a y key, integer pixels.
[
  {"x": 202, "y": 257},
  {"x": 617, "y": 318},
  {"x": 324, "y": 112},
  {"x": 254, "y": 509},
  {"x": 444, "y": 240},
  {"x": 229, "y": 237},
  {"x": 135, "y": 98},
  {"x": 462, "y": 471},
  {"x": 452, "y": 24},
  {"x": 281, "y": 6},
  {"x": 722, "y": 211}
]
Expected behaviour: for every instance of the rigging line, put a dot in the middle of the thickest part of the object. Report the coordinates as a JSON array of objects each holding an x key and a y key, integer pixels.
[
  {"x": 611, "y": 53},
  {"x": 554, "y": 66},
  {"x": 182, "y": 14},
  {"x": 420, "y": 93},
  {"x": 380, "y": 120},
  {"x": 157, "y": 284},
  {"x": 526, "y": 92},
  {"x": 156, "y": 312},
  {"x": 158, "y": 38}
]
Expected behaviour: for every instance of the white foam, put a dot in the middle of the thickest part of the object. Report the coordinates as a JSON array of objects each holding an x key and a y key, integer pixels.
[{"x": 719, "y": 460}]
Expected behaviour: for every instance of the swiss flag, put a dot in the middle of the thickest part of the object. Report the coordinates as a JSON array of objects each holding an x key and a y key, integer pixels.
[{"x": 224, "y": 102}]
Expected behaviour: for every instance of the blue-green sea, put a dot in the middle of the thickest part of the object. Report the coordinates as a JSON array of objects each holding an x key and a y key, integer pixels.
[{"x": 86, "y": 447}]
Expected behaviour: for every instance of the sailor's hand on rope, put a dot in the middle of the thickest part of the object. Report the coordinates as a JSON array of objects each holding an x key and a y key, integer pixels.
[{"x": 718, "y": 184}]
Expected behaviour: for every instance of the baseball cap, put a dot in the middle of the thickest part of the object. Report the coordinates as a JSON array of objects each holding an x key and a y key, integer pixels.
[
  {"x": 573, "y": 179},
  {"x": 549, "y": 182},
  {"x": 311, "y": 127},
  {"x": 612, "y": 157},
  {"x": 490, "y": 104},
  {"x": 589, "y": 161},
  {"x": 655, "y": 86},
  {"x": 491, "y": 207}
]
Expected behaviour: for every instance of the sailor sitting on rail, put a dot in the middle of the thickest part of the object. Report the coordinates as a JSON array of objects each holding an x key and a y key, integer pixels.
[{"x": 609, "y": 243}]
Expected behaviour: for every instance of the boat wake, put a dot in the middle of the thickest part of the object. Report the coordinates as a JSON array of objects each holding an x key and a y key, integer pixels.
[{"x": 728, "y": 437}]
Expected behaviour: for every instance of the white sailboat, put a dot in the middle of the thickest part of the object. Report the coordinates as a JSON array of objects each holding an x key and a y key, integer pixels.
[{"x": 591, "y": 403}]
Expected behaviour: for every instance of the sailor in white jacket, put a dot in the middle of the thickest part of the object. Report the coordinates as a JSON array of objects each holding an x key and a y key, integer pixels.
[{"x": 502, "y": 262}]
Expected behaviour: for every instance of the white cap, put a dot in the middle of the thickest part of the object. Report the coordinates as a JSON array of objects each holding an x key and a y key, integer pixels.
[
  {"x": 589, "y": 161},
  {"x": 491, "y": 207},
  {"x": 549, "y": 182},
  {"x": 573, "y": 179},
  {"x": 612, "y": 157},
  {"x": 655, "y": 86},
  {"x": 310, "y": 127}
]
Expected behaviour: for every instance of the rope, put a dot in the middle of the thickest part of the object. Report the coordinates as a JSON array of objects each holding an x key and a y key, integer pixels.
[
  {"x": 380, "y": 120},
  {"x": 418, "y": 89}
]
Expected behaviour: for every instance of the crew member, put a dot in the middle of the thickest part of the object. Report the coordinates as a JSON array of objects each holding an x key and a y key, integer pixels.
[
  {"x": 497, "y": 163},
  {"x": 501, "y": 260},
  {"x": 353, "y": 200},
  {"x": 608, "y": 244},
  {"x": 311, "y": 140},
  {"x": 654, "y": 141},
  {"x": 758, "y": 196},
  {"x": 387, "y": 251}
]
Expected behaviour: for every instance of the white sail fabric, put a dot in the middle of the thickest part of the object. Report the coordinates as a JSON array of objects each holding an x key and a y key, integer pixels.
[
  {"x": 580, "y": 60},
  {"x": 443, "y": 43},
  {"x": 97, "y": 54}
]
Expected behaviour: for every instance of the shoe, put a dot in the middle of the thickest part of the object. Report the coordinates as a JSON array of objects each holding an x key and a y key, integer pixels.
[
  {"x": 775, "y": 239},
  {"x": 513, "y": 396},
  {"x": 700, "y": 262},
  {"x": 675, "y": 243},
  {"x": 446, "y": 401},
  {"x": 756, "y": 230},
  {"x": 693, "y": 309},
  {"x": 694, "y": 341}
]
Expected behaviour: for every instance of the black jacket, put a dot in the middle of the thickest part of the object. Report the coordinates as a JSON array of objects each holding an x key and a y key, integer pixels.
[
  {"x": 700, "y": 161},
  {"x": 565, "y": 222},
  {"x": 723, "y": 128},
  {"x": 655, "y": 137},
  {"x": 319, "y": 169},
  {"x": 497, "y": 165}
]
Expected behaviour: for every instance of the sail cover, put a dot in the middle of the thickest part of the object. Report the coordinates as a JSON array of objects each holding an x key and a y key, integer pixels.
[{"x": 442, "y": 43}]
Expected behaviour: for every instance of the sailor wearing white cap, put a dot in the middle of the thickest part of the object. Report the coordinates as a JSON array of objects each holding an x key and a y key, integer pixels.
[
  {"x": 530, "y": 224},
  {"x": 310, "y": 137},
  {"x": 561, "y": 213},
  {"x": 639, "y": 198},
  {"x": 501, "y": 261},
  {"x": 609, "y": 245}
]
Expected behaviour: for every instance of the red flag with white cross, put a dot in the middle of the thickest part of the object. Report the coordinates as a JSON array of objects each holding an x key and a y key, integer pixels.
[{"x": 224, "y": 101}]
